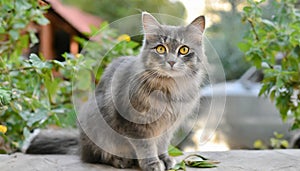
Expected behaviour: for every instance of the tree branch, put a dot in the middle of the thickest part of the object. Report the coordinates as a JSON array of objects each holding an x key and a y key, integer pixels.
[{"x": 253, "y": 29}]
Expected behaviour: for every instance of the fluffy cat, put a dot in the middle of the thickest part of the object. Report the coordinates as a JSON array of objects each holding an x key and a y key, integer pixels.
[{"x": 140, "y": 101}]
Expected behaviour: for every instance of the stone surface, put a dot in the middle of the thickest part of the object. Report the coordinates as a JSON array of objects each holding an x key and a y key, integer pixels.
[{"x": 287, "y": 160}]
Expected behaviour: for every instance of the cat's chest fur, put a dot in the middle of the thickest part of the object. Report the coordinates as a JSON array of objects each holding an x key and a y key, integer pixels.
[{"x": 158, "y": 95}]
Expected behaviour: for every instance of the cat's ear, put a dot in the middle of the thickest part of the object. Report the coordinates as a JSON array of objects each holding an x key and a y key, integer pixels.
[
  {"x": 198, "y": 23},
  {"x": 150, "y": 24}
]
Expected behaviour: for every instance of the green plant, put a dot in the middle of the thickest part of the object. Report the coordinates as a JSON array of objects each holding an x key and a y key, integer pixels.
[
  {"x": 97, "y": 54},
  {"x": 195, "y": 161},
  {"x": 192, "y": 160},
  {"x": 276, "y": 142},
  {"x": 19, "y": 98},
  {"x": 272, "y": 40}
]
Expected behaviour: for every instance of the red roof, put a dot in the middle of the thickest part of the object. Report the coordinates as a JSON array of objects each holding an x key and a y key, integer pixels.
[{"x": 80, "y": 20}]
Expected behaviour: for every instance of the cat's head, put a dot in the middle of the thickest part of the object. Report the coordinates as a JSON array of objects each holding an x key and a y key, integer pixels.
[{"x": 172, "y": 50}]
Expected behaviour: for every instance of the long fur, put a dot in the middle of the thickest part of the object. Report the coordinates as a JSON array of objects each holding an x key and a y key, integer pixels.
[{"x": 142, "y": 100}]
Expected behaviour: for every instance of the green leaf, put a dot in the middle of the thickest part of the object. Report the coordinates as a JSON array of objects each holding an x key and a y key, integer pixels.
[
  {"x": 39, "y": 116},
  {"x": 258, "y": 144},
  {"x": 16, "y": 107},
  {"x": 2, "y": 30},
  {"x": 257, "y": 61},
  {"x": 19, "y": 25},
  {"x": 38, "y": 63},
  {"x": 33, "y": 39},
  {"x": 277, "y": 135},
  {"x": 58, "y": 63},
  {"x": 25, "y": 115},
  {"x": 14, "y": 34},
  {"x": 22, "y": 5},
  {"x": 173, "y": 151},
  {"x": 198, "y": 161},
  {"x": 201, "y": 164},
  {"x": 84, "y": 80},
  {"x": 247, "y": 9},
  {"x": 284, "y": 144},
  {"x": 279, "y": 82},
  {"x": 5, "y": 97},
  {"x": 42, "y": 20},
  {"x": 26, "y": 132},
  {"x": 179, "y": 166},
  {"x": 268, "y": 23},
  {"x": 272, "y": 95},
  {"x": 265, "y": 88},
  {"x": 51, "y": 86},
  {"x": 296, "y": 124},
  {"x": 244, "y": 47}
]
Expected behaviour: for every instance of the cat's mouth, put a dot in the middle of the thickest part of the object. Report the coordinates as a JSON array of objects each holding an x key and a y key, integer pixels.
[{"x": 171, "y": 72}]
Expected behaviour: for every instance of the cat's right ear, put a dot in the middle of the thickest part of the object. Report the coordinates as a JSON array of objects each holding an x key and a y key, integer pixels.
[
  {"x": 150, "y": 24},
  {"x": 198, "y": 23}
]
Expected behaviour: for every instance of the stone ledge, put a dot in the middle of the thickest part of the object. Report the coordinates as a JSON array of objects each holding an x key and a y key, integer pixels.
[{"x": 230, "y": 161}]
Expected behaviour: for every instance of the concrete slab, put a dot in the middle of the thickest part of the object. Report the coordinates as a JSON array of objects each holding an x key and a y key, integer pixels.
[{"x": 236, "y": 160}]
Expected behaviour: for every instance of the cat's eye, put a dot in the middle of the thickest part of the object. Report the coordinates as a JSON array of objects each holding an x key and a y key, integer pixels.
[
  {"x": 160, "y": 49},
  {"x": 184, "y": 50}
]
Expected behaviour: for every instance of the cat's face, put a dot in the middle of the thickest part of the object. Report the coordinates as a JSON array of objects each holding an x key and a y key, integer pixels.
[{"x": 172, "y": 50}]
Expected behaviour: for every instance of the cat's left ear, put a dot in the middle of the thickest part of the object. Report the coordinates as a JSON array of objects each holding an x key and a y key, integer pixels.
[
  {"x": 198, "y": 23},
  {"x": 150, "y": 24}
]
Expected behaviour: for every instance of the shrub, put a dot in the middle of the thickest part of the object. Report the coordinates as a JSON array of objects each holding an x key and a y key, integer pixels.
[{"x": 272, "y": 40}]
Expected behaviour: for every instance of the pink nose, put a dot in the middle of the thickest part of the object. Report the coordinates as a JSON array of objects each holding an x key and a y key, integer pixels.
[{"x": 171, "y": 63}]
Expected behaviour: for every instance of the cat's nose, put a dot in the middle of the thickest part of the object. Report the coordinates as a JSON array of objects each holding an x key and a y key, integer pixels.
[{"x": 171, "y": 63}]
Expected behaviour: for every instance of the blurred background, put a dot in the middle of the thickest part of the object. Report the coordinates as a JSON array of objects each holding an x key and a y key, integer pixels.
[{"x": 223, "y": 21}]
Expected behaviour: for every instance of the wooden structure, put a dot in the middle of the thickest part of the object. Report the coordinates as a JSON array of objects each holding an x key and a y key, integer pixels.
[{"x": 66, "y": 22}]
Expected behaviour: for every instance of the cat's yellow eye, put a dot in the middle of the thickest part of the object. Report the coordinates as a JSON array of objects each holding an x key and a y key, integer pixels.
[
  {"x": 184, "y": 50},
  {"x": 160, "y": 49}
]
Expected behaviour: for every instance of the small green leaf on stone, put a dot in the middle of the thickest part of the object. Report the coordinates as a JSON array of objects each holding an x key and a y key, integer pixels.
[
  {"x": 199, "y": 161},
  {"x": 179, "y": 166},
  {"x": 173, "y": 151}
]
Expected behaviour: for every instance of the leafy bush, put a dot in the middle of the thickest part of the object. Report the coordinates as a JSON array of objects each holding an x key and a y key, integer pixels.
[
  {"x": 100, "y": 52},
  {"x": 19, "y": 96},
  {"x": 276, "y": 142},
  {"x": 272, "y": 40},
  {"x": 30, "y": 95}
]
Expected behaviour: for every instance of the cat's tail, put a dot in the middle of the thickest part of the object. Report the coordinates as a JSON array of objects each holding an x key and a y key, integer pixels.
[{"x": 52, "y": 141}]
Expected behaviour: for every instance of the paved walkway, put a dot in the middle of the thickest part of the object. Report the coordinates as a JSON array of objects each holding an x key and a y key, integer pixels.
[{"x": 286, "y": 160}]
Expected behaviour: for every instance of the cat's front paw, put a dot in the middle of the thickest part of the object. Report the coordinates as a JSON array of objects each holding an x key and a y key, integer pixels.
[
  {"x": 122, "y": 163},
  {"x": 153, "y": 166},
  {"x": 168, "y": 161}
]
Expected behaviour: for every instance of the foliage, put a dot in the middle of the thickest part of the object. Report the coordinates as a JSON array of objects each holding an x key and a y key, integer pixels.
[
  {"x": 193, "y": 160},
  {"x": 15, "y": 17},
  {"x": 225, "y": 35},
  {"x": 97, "y": 54},
  {"x": 36, "y": 98},
  {"x": 273, "y": 40},
  {"x": 31, "y": 95},
  {"x": 196, "y": 161},
  {"x": 173, "y": 151},
  {"x": 19, "y": 98},
  {"x": 276, "y": 142}
]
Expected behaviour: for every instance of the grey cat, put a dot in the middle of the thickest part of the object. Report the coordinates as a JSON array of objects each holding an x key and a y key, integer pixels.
[{"x": 140, "y": 101}]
